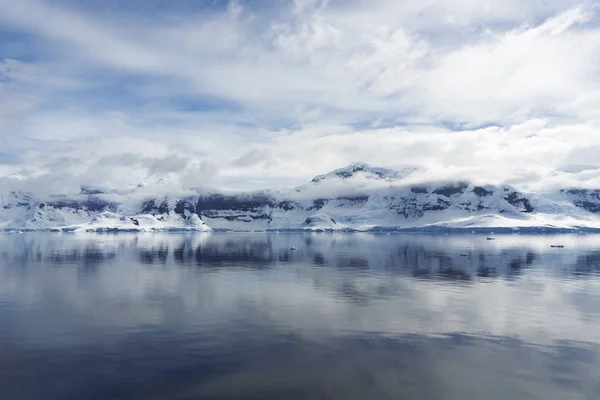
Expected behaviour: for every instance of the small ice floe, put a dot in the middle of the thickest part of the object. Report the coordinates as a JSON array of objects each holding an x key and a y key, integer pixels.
[{"x": 560, "y": 246}]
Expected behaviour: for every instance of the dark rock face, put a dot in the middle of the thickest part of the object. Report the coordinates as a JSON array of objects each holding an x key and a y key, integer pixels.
[
  {"x": 355, "y": 199},
  {"x": 239, "y": 217},
  {"x": 482, "y": 192},
  {"x": 472, "y": 207},
  {"x": 317, "y": 204},
  {"x": 97, "y": 204},
  {"x": 237, "y": 203},
  {"x": 244, "y": 207},
  {"x": 419, "y": 200},
  {"x": 316, "y": 219},
  {"x": 415, "y": 206},
  {"x": 182, "y": 206},
  {"x": 92, "y": 204},
  {"x": 588, "y": 206},
  {"x": 440, "y": 205},
  {"x": 350, "y": 200},
  {"x": 451, "y": 190},
  {"x": 61, "y": 204},
  {"x": 247, "y": 207},
  {"x": 520, "y": 202},
  {"x": 407, "y": 207},
  {"x": 159, "y": 207},
  {"x": 587, "y": 199},
  {"x": 418, "y": 189},
  {"x": 285, "y": 205},
  {"x": 151, "y": 207}
]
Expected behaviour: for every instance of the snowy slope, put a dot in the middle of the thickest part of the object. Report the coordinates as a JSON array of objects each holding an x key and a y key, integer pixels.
[
  {"x": 364, "y": 198},
  {"x": 97, "y": 212},
  {"x": 357, "y": 197},
  {"x": 110, "y": 222}
]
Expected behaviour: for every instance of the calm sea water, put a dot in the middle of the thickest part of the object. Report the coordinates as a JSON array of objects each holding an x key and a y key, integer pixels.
[{"x": 288, "y": 316}]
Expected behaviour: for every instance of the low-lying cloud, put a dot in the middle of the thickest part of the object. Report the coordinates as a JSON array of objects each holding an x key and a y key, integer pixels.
[{"x": 242, "y": 96}]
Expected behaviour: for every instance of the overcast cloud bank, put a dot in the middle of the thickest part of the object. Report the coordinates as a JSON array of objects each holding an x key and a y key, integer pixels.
[{"x": 246, "y": 95}]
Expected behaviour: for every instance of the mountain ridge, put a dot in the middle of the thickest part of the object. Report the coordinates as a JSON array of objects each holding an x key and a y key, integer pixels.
[{"x": 358, "y": 197}]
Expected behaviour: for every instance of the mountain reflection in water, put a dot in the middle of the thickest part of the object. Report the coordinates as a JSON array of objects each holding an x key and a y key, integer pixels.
[{"x": 296, "y": 316}]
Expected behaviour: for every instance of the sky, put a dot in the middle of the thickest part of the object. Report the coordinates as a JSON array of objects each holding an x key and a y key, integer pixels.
[{"x": 269, "y": 93}]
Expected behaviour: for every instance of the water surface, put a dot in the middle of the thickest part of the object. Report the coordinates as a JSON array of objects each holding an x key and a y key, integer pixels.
[{"x": 299, "y": 316}]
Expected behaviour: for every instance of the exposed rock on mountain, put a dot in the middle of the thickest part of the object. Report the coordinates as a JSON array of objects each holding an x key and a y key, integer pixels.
[{"x": 358, "y": 197}]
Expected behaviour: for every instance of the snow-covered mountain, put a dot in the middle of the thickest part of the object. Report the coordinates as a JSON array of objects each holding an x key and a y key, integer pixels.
[
  {"x": 357, "y": 197},
  {"x": 97, "y": 211},
  {"x": 367, "y": 172}
]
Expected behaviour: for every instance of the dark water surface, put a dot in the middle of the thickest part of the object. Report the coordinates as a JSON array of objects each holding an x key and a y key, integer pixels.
[{"x": 288, "y": 316}]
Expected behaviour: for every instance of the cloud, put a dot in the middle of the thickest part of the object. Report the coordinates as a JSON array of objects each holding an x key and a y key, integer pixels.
[
  {"x": 527, "y": 154},
  {"x": 277, "y": 93},
  {"x": 111, "y": 163},
  {"x": 524, "y": 73}
]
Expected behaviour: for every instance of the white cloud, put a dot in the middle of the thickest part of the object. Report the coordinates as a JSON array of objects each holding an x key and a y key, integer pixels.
[
  {"x": 521, "y": 74},
  {"x": 281, "y": 93}
]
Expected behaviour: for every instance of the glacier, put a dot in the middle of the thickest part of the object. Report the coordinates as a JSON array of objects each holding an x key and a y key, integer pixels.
[{"x": 358, "y": 197}]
